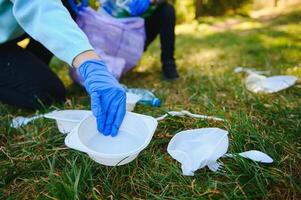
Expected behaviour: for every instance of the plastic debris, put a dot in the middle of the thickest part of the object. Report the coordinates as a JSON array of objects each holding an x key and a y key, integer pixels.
[
  {"x": 134, "y": 135},
  {"x": 131, "y": 101},
  {"x": 189, "y": 114},
  {"x": 67, "y": 120},
  {"x": 261, "y": 84},
  {"x": 250, "y": 71},
  {"x": 124, "y": 4},
  {"x": 194, "y": 149},
  {"x": 198, "y": 148},
  {"x": 19, "y": 121},
  {"x": 146, "y": 96},
  {"x": 254, "y": 155}
]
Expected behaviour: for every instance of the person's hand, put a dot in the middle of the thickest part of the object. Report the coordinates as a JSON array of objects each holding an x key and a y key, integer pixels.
[
  {"x": 108, "y": 98},
  {"x": 138, "y": 7}
]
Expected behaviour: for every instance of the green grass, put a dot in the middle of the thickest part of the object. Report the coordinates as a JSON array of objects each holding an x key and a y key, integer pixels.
[{"x": 34, "y": 162}]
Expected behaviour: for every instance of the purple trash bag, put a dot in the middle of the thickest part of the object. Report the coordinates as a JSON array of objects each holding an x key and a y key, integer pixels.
[{"x": 118, "y": 41}]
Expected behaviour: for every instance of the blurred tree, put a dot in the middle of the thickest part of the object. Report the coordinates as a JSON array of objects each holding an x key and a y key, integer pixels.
[
  {"x": 187, "y": 8},
  {"x": 198, "y": 8},
  {"x": 219, "y": 7}
]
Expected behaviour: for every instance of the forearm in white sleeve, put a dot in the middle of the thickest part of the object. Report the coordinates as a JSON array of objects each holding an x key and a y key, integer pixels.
[{"x": 50, "y": 23}]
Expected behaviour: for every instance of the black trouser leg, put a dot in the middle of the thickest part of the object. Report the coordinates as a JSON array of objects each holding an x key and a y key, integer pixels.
[
  {"x": 25, "y": 80},
  {"x": 162, "y": 22},
  {"x": 39, "y": 51}
]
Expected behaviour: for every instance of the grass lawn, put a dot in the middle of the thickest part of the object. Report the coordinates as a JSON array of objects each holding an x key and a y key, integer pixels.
[{"x": 35, "y": 163}]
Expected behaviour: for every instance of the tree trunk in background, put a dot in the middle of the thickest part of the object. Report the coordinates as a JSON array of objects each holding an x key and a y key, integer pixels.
[
  {"x": 198, "y": 8},
  {"x": 276, "y": 3}
]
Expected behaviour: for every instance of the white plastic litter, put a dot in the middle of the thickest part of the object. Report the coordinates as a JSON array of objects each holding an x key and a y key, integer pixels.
[
  {"x": 67, "y": 120},
  {"x": 198, "y": 148},
  {"x": 189, "y": 114},
  {"x": 134, "y": 135},
  {"x": 261, "y": 84},
  {"x": 194, "y": 149},
  {"x": 254, "y": 155},
  {"x": 19, "y": 121},
  {"x": 250, "y": 71},
  {"x": 74, "y": 115},
  {"x": 131, "y": 100}
]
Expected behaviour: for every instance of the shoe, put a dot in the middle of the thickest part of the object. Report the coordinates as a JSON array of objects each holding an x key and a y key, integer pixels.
[{"x": 169, "y": 69}]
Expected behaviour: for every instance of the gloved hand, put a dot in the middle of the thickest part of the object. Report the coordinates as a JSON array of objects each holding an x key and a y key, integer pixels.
[
  {"x": 108, "y": 98},
  {"x": 138, "y": 7}
]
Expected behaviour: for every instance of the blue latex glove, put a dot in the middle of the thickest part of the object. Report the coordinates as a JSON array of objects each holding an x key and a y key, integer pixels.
[
  {"x": 108, "y": 98},
  {"x": 137, "y": 7}
]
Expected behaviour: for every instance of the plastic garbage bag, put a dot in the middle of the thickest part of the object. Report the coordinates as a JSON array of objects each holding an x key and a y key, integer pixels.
[
  {"x": 114, "y": 39},
  {"x": 198, "y": 148},
  {"x": 261, "y": 84},
  {"x": 115, "y": 66}
]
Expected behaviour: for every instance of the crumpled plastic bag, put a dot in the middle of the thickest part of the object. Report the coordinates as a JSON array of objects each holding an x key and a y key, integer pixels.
[
  {"x": 198, "y": 148},
  {"x": 261, "y": 84}
]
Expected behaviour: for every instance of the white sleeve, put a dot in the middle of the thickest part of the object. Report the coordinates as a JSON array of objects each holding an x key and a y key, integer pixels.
[{"x": 50, "y": 23}]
